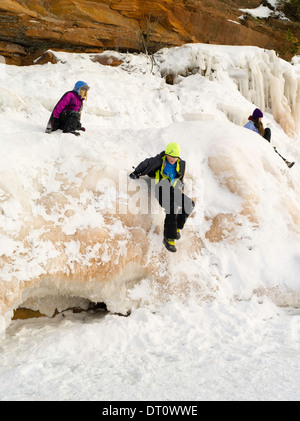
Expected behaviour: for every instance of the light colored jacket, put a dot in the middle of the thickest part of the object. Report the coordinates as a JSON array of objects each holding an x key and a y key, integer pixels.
[{"x": 250, "y": 125}]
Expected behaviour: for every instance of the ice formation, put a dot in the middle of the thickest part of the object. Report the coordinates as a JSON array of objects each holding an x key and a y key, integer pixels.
[
  {"x": 260, "y": 75},
  {"x": 74, "y": 228}
]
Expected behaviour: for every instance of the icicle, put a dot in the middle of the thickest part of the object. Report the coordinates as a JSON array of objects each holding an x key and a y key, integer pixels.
[
  {"x": 280, "y": 107},
  {"x": 297, "y": 109},
  {"x": 201, "y": 61},
  {"x": 257, "y": 94}
]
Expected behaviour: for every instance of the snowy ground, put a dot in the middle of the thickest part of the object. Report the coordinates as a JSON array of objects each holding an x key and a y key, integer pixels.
[
  {"x": 245, "y": 351},
  {"x": 237, "y": 346}
]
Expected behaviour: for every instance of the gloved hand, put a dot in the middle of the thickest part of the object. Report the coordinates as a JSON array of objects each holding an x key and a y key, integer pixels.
[
  {"x": 180, "y": 185},
  {"x": 134, "y": 175},
  {"x": 55, "y": 124}
]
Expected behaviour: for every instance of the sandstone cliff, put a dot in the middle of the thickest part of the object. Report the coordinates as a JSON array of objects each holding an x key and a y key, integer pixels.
[{"x": 29, "y": 27}]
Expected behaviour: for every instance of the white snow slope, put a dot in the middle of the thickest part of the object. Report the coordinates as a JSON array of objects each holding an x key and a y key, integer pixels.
[{"x": 219, "y": 319}]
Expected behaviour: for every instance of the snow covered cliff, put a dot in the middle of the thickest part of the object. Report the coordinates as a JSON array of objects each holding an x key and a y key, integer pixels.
[{"x": 74, "y": 228}]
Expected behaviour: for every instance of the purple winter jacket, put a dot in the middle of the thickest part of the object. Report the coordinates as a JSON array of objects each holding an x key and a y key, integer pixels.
[{"x": 71, "y": 101}]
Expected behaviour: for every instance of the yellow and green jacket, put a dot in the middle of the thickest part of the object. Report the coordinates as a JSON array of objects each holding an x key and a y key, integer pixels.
[{"x": 153, "y": 167}]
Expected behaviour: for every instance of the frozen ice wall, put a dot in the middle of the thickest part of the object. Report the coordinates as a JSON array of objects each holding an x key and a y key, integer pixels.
[{"x": 264, "y": 79}]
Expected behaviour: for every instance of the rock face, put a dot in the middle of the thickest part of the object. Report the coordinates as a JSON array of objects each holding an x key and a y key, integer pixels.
[{"x": 29, "y": 27}]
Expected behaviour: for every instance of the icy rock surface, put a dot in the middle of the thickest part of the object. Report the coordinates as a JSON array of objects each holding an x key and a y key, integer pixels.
[{"x": 74, "y": 227}]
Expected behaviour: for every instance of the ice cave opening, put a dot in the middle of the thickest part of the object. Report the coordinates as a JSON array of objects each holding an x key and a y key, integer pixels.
[{"x": 24, "y": 312}]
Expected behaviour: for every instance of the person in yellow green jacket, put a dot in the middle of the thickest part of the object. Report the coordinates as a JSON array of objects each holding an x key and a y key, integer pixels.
[{"x": 168, "y": 169}]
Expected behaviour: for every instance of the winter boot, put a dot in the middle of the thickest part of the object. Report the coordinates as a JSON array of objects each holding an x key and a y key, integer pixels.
[
  {"x": 178, "y": 235},
  {"x": 170, "y": 244}
]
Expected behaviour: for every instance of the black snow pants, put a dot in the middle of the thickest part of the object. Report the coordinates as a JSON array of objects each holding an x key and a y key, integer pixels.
[
  {"x": 176, "y": 204},
  {"x": 69, "y": 121}
]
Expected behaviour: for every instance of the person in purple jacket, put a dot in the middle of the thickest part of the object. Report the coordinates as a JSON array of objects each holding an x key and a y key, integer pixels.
[{"x": 67, "y": 112}]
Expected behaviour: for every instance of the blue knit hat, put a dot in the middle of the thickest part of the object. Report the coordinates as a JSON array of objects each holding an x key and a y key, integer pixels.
[
  {"x": 81, "y": 85},
  {"x": 257, "y": 113}
]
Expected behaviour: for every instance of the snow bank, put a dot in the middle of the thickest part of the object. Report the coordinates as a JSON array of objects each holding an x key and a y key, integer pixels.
[{"x": 74, "y": 227}]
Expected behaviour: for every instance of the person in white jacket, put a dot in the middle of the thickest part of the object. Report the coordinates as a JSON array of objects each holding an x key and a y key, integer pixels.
[{"x": 255, "y": 124}]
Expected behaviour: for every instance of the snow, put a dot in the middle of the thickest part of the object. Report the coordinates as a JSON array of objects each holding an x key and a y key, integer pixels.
[
  {"x": 259, "y": 12},
  {"x": 219, "y": 320},
  {"x": 246, "y": 351},
  {"x": 266, "y": 11}
]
